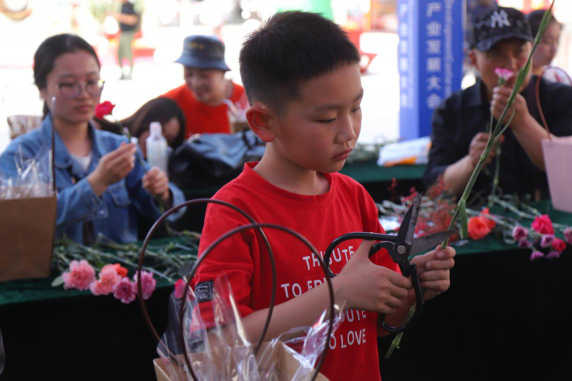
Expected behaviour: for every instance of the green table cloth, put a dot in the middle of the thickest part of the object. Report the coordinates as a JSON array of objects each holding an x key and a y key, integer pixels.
[{"x": 504, "y": 318}]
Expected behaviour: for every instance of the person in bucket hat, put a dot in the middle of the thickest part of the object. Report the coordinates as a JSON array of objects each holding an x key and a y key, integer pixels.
[
  {"x": 502, "y": 39},
  {"x": 203, "y": 96}
]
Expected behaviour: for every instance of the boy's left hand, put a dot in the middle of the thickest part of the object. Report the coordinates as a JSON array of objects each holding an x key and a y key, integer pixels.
[
  {"x": 433, "y": 269},
  {"x": 156, "y": 183}
]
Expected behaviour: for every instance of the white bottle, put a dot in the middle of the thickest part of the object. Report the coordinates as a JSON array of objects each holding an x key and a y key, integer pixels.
[{"x": 157, "y": 147}]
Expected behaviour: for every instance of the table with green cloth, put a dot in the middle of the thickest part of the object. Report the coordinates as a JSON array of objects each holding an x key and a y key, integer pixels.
[{"x": 504, "y": 318}]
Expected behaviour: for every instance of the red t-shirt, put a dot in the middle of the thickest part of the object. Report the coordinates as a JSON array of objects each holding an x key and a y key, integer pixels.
[
  {"x": 200, "y": 117},
  {"x": 346, "y": 207}
]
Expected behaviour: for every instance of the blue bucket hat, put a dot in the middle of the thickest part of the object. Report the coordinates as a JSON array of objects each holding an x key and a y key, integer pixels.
[{"x": 203, "y": 52}]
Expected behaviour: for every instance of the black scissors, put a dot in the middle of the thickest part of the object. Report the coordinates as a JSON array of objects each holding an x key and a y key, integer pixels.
[{"x": 400, "y": 247}]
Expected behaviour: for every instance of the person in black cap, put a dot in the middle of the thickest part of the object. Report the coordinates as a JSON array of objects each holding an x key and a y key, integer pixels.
[
  {"x": 202, "y": 97},
  {"x": 501, "y": 39}
]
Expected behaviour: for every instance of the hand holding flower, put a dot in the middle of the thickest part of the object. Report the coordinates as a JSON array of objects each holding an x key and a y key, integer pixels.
[
  {"x": 499, "y": 102},
  {"x": 156, "y": 183},
  {"x": 112, "y": 167},
  {"x": 434, "y": 271}
]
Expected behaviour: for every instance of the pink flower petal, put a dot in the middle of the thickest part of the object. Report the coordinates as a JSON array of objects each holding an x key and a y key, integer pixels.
[{"x": 536, "y": 255}]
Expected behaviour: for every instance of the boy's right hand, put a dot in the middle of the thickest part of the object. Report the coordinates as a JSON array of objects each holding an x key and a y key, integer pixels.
[
  {"x": 113, "y": 167},
  {"x": 367, "y": 286}
]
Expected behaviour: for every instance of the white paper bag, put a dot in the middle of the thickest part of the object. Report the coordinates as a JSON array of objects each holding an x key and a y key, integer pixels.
[{"x": 558, "y": 160}]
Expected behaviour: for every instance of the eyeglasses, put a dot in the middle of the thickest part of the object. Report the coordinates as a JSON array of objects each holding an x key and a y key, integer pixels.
[{"x": 72, "y": 90}]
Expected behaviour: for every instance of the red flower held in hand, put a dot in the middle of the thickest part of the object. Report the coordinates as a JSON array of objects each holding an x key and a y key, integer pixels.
[
  {"x": 543, "y": 225},
  {"x": 103, "y": 109},
  {"x": 479, "y": 228}
]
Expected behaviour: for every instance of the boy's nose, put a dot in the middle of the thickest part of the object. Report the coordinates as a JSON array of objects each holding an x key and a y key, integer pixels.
[{"x": 347, "y": 130}]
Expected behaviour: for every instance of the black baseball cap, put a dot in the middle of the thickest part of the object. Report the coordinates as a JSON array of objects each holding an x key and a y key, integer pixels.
[
  {"x": 203, "y": 52},
  {"x": 500, "y": 24}
]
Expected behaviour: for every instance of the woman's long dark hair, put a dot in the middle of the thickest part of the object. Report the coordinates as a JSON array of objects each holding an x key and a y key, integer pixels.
[
  {"x": 50, "y": 50},
  {"x": 159, "y": 110}
]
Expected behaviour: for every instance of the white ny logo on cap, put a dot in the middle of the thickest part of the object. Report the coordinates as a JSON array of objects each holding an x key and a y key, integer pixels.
[{"x": 499, "y": 19}]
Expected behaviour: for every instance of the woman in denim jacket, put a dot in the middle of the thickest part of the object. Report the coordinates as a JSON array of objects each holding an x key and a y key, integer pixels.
[{"x": 102, "y": 188}]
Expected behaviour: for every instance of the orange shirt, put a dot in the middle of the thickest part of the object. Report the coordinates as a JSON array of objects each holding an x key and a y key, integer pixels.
[{"x": 201, "y": 117}]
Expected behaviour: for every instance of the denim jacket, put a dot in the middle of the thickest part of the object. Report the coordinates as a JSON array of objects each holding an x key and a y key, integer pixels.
[{"x": 115, "y": 212}]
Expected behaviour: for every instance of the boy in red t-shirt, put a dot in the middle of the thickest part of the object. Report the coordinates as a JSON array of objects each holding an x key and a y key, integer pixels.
[{"x": 302, "y": 77}]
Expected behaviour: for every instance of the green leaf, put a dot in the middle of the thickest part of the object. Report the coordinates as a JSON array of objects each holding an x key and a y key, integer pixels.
[
  {"x": 58, "y": 281},
  {"x": 464, "y": 220}
]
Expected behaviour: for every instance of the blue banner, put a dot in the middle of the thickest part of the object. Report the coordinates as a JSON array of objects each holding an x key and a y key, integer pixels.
[{"x": 430, "y": 58}]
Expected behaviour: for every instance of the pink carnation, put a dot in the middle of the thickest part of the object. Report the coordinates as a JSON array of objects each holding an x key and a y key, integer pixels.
[
  {"x": 553, "y": 255},
  {"x": 536, "y": 255},
  {"x": 543, "y": 225},
  {"x": 148, "y": 284},
  {"x": 80, "y": 276},
  {"x": 519, "y": 233},
  {"x": 568, "y": 235},
  {"x": 524, "y": 244},
  {"x": 108, "y": 280},
  {"x": 503, "y": 74},
  {"x": 125, "y": 291},
  {"x": 546, "y": 240}
]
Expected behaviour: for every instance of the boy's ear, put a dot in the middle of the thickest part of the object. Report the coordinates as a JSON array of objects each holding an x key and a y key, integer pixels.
[{"x": 260, "y": 121}]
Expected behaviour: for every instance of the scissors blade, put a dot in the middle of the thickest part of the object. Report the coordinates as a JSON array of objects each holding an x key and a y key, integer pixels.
[
  {"x": 404, "y": 228},
  {"x": 410, "y": 220},
  {"x": 428, "y": 242}
]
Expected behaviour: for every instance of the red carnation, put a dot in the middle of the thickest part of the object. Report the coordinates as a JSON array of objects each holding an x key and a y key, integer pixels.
[
  {"x": 491, "y": 224},
  {"x": 103, "y": 109},
  {"x": 558, "y": 245},
  {"x": 479, "y": 227},
  {"x": 543, "y": 225}
]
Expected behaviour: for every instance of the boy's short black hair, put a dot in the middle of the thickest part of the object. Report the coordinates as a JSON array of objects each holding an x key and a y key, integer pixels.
[{"x": 290, "y": 48}]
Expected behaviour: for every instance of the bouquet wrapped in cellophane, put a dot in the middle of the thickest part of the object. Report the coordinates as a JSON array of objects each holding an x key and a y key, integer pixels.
[{"x": 215, "y": 343}]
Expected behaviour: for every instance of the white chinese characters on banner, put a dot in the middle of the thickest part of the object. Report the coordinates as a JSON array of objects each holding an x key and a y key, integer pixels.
[
  {"x": 433, "y": 46},
  {"x": 433, "y": 7},
  {"x": 430, "y": 58},
  {"x": 433, "y": 83},
  {"x": 434, "y": 29},
  {"x": 434, "y": 64},
  {"x": 434, "y": 55},
  {"x": 433, "y": 101}
]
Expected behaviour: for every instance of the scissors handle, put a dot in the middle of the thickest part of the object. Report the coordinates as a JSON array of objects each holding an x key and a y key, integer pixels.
[
  {"x": 418, "y": 304},
  {"x": 356, "y": 235}
]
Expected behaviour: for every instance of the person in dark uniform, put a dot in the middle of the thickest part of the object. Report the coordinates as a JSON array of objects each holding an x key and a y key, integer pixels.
[
  {"x": 128, "y": 20},
  {"x": 501, "y": 39}
]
